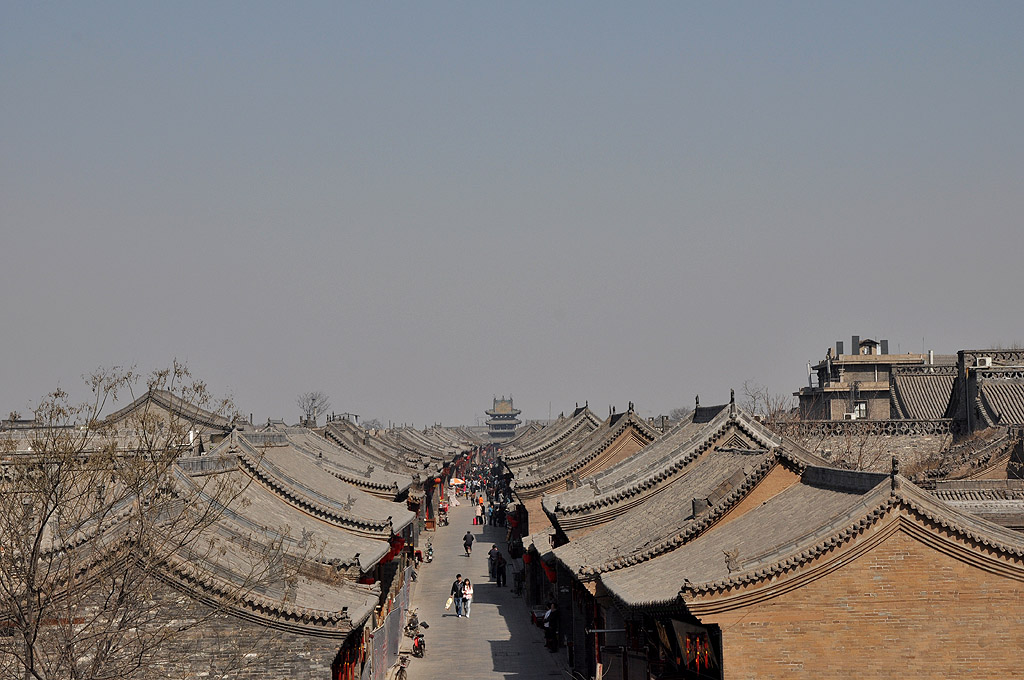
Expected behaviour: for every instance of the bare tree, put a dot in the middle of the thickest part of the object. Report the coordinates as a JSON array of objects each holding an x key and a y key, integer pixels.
[
  {"x": 679, "y": 413},
  {"x": 94, "y": 517},
  {"x": 373, "y": 424},
  {"x": 312, "y": 404},
  {"x": 759, "y": 400}
]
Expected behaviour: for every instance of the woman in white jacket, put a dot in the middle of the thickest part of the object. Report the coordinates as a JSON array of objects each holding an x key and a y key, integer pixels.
[{"x": 467, "y": 596}]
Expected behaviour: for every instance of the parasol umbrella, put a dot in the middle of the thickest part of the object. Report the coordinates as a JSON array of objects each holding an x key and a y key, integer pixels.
[{"x": 455, "y": 481}]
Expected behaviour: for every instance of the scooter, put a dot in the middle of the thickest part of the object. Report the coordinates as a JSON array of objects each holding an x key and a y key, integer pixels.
[
  {"x": 419, "y": 645},
  {"x": 412, "y": 629},
  {"x": 430, "y": 552}
]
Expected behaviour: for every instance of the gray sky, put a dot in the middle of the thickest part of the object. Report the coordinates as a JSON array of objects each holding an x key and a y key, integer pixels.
[{"x": 414, "y": 207}]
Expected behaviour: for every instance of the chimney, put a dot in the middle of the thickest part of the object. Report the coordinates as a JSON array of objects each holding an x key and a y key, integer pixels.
[
  {"x": 839, "y": 347},
  {"x": 855, "y": 345},
  {"x": 931, "y": 356},
  {"x": 885, "y": 346}
]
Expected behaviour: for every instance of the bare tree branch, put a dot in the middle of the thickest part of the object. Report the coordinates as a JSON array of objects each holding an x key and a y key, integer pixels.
[
  {"x": 312, "y": 405},
  {"x": 95, "y": 514}
]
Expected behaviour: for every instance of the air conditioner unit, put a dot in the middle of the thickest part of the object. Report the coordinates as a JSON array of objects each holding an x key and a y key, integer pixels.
[
  {"x": 849, "y": 416},
  {"x": 983, "y": 362}
]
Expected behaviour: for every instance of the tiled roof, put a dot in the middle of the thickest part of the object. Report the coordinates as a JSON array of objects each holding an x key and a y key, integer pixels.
[
  {"x": 225, "y": 559},
  {"x": 983, "y": 452},
  {"x": 346, "y": 465},
  {"x": 528, "y": 451},
  {"x": 306, "y": 605},
  {"x": 646, "y": 529},
  {"x": 1001, "y": 400},
  {"x": 268, "y": 511},
  {"x": 826, "y": 510},
  {"x": 381, "y": 449},
  {"x": 172, "y": 403},
  {"x": 998, "y": 500},
  {"x": 580, "y": 454},
  {"x": 622, "y": 486},
  {"x": 297, "y": 479},
  {"x": 921, "y": 392}
]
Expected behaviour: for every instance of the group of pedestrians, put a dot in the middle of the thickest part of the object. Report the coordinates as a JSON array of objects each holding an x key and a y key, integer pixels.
[
  {"x": 497, "y": 566},
  {"x": 490, "y": 494},
  {"x": 462, "y": 596}
]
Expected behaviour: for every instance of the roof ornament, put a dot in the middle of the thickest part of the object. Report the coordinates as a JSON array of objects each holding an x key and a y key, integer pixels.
[
  {"x": 349, "y": 502},
  {"x": 732, "y": 559},
  {"x": 895, "y": 471},
  {"x": 592, "y": 483},
  {"x": 630, "y": 407},
  {"x": 697, "y": 400},
  {"x": 732, "y": 402}
]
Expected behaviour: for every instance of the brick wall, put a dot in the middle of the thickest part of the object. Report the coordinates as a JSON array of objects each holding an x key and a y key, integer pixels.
[
  {"x": 904, "y": 609},
  {"x": 204, "y": 643},
  {"x": 226, "y": 646}
]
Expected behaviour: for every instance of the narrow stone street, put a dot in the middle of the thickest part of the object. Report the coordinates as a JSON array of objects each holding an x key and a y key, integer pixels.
[{"x": 497, "y": 640}]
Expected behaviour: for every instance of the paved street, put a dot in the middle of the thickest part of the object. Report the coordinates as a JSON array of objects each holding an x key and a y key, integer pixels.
[{"x": 497, "y": 640}]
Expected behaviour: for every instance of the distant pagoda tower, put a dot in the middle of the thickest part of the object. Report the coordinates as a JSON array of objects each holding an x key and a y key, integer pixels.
[{"x": 503, "y": 422}]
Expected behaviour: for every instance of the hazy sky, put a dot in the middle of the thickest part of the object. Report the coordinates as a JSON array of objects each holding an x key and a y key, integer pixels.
[{"x": 415, "y": 207}]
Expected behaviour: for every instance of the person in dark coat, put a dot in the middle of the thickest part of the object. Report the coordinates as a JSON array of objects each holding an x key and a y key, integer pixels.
[
  {"x": 467, "y": 542},
  {"x": 457, "y": 588},
  {"x": 550, "y": 624},
  {"x": 492, "y": 557},
  {"x": 499, "y": 570}
]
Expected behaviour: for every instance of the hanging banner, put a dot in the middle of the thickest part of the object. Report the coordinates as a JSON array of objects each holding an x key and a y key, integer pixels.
[{"x": 695, "y": 644}]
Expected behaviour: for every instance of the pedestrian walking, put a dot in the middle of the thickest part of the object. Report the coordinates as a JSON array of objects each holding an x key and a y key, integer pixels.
[
  {"x": 500, "y": 571},
  {"x": 467, "y": 596},
  {"x": 467, "y": 542},
  {"x": 479, "y": 515},
  {"x": 550, "y": 622},
  {"x": 492, "y": 557},
  {"x": 457, "y": 595}
]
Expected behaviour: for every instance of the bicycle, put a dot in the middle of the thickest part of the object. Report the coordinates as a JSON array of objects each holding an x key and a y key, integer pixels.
[{"x": 403, "y": 663}]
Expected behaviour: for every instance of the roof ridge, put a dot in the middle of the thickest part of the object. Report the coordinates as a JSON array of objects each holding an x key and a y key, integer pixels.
[
  {"x": 697, "y": 444},
  {"x": 901, "y": 492},
  {"x": 580, "y": 421},
  {"x": 581, "y": 462},
  {"x": 698, "y": 525},
  {"x": 311, "y": 505}
]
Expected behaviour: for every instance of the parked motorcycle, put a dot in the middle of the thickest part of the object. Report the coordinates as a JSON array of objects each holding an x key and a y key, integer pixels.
[
  {"x": 430, "y": 552},
  {"x": 419, "y": 645},
  {"x": 412, "y": 629}
]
